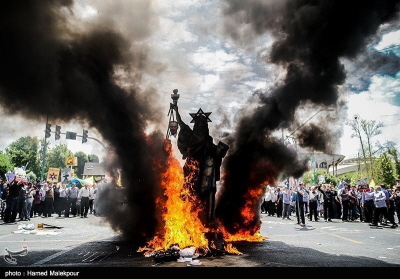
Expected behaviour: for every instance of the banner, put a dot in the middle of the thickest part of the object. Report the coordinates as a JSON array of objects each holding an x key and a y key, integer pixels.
[
  {"x": 53, "y": 174},
  {"x": 71, "y": 161},
  {"x": 10, "y": 176},
  {"x": 66, "y": 175},
  {"x": 89, "y": 181},
  {"x": 19, "y": 172}
]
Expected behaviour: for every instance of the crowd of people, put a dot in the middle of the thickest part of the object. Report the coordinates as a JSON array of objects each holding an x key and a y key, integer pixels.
[
  {"x": 21, "y": 201},
  {"x": 373, "y": 205}
]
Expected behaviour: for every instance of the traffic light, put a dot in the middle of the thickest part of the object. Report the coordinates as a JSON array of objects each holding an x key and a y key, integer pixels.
[
  {"x": 84, "y": 136},
  {"x": 58, "y": 132},
  {"x": 48, "y": 130}
]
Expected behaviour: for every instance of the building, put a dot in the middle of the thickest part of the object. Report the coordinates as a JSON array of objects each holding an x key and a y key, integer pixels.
[
  {"x": 322, "y": 161},
  {"x": 95, "y": 170}
]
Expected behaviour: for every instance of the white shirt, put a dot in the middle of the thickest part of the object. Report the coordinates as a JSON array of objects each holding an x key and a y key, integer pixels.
[
  {"x": 43, "y": 192},
  {"x": 84, "y": 192},
  {"x": 63, "y": 193},
  {"x": 93, "y": 192}
]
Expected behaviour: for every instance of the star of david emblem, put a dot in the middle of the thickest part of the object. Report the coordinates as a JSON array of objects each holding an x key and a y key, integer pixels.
[
  {"x": 200, "y": 112},
  {"x": 53, "y": 176}
]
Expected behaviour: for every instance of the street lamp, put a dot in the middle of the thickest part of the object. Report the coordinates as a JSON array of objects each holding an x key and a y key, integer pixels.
[{"x": 324, "y": 109}]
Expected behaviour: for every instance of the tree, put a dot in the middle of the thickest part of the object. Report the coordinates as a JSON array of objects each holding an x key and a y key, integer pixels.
[
  {"x": 44, "y": 145},
  {"x": 56, "y": 156},
  {"x": 32, "y": 176},
  {"x": 350, "y": 177},
  {"x": 24, "y": 153},
  {"x": 5, "y": 165},
  {"x": 393, "y": 153},
  {"x": 93, "y": 158},
  {"x": 365, "y": 130},
  {"x": 308, "y": 178},
  {"x": 82, "y": 159},
  {"x": 371, "y": 128},
  {"x": 385, "y": 171}
]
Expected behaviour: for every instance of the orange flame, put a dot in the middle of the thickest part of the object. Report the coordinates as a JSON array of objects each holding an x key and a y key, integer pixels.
[
  {"x": 248, "y": 215},
  {"x": 182, "y": 226},
  {"x": 180, "y": 214}
]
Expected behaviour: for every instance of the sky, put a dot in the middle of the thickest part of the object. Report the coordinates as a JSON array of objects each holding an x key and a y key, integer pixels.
[{"x": 191, "y": 48}]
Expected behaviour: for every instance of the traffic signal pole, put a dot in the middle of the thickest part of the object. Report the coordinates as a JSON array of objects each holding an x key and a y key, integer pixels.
[
  {"x": 85, "y": 137},
  {"x": 47, "y": 134},
  {"x": 44, "y": 147}
]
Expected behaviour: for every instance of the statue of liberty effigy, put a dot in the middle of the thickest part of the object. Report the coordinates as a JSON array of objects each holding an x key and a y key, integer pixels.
[{"x": 203, "y": 161}]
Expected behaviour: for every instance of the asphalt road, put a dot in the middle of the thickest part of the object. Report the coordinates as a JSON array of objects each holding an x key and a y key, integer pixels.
[{"x": 89, "y": 245}]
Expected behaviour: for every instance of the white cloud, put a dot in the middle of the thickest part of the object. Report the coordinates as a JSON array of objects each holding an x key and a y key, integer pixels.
[
  {"x": 390, "y": 39},
  {"x": 374, "y": 104}
]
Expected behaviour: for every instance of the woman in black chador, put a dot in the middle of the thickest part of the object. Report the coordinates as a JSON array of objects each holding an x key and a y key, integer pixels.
[{"x": 203, "y": 162}]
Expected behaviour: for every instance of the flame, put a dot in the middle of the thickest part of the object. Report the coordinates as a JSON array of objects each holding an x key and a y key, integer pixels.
[
  {"x": 248, "y": 215},
  {"x": 180, "y": 213},
  {"x": 182, "y": 226}
]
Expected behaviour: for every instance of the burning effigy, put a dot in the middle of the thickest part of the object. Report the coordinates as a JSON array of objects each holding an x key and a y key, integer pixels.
[{"x": 191, "y": 228}]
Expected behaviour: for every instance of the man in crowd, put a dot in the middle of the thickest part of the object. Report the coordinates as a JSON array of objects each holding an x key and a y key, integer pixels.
[{"x": 380, "y": 207}]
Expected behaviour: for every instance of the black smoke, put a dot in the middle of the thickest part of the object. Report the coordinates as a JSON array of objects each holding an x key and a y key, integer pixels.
[
  {"x": 48, "y": 69},
  {"x": 311, "y": 38}
]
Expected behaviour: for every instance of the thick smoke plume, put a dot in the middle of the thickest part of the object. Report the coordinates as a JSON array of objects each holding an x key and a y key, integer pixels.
[
  {"x": 49, "y": 70},
  {"x": 312, "y": 36}
]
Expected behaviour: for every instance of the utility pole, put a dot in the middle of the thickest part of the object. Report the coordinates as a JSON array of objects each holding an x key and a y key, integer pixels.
[{"x": 46, "y": 132}]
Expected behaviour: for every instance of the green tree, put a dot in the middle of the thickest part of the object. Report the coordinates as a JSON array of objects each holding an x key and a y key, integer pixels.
[
  {"x": 24, "y": 153},
  {"x": 82, "y": 159},
  {"x": 385, "y": 171},
  {"x": 350, "y": 177},
  {"x": 308, "y": 178},
  {"x": 57, "y": 155},
  {"x": 32, "y": 176},
  {"x": 393, "y": 153},
  {"x": 5, "y": 165},
  {"x": 93, "y": 158}
]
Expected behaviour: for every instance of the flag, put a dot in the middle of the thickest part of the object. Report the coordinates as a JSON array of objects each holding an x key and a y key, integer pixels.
[
  {"x": 52, "y": 175},
  {"x": 89, "y": 181},
  {"x": 372, "y": 183},
  {"x": 341, "y": 185}
]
